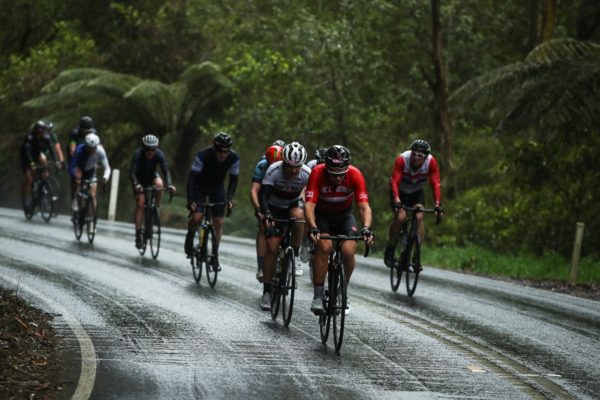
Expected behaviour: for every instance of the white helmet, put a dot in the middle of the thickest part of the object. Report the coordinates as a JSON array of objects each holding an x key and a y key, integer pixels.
[
  {"x": 92, "y": 140},
  {"x": 294, "y": 154},
  {"x": 150, "y": 141}
]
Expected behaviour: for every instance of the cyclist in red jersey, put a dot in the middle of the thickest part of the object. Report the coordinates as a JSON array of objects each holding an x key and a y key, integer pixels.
[
  {"x": 330, "y": 191},
  {"x": 412, "y": 169}
]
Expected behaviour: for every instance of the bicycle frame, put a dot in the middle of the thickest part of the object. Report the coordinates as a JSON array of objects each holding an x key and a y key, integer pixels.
[
  {"x": 206, "y": 238},
  {"x": 151, "y": 221}
]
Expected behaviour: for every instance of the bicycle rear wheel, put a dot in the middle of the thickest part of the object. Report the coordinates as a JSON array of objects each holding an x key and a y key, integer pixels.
[
  {"x": 45, "y": 200},
  {"x": 90, "y": 221},
  {"x": 413, "y": 264},
  {"x": 154, "y": 232},
  {"x": 338, "y": 307},
  {"x": 197, "y": 255},
  {"x": 210, "y": 245},
  {"x": 288, "y": 286}
]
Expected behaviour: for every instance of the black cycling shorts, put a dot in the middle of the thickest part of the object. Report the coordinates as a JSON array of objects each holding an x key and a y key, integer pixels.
[
  {"x": 215, "y": 196},
  {"x": 343, "y": 223}
]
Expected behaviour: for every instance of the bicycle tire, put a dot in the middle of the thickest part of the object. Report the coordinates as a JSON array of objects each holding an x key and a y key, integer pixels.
[
  {"x": 275, "y": 299},
  {"x": 325, "y": 319},
  {"x": 288, "y": 286},
  {"x": 29, "y": 211},
  {"x": 338, "y": 307},
  {"x": 154, "y": 235},
  {"x": 412, "y": 265},
  {"x": 90, "y": 221},
  {"x": 45, "y": 200},
  {"x": 197, "y": 254},
  {"x": 210, "y": 244},
  {"x": 396, "y": 269}
]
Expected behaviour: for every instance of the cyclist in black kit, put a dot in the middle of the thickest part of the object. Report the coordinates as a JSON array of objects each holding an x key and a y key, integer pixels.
[
  {"x": 206, "y": 179},
  {"x": 143, "y": 173}
]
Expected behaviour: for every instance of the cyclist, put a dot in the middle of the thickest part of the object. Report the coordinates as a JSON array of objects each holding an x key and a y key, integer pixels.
[
  {"x": 412, "y": 169},
  {"x": 84, "y": 163},
  {"x": 35, "y": 150},
  {"x": 319, "y": 157},
  {"x": 77, "y": 135},
  {"x": 143, "y": 173},
  {"x": 281, "y": 198},
  {"x": 206, "y": 179},
  {"x": 331, "y": 189},
  {"x": 274, "y": 153}
]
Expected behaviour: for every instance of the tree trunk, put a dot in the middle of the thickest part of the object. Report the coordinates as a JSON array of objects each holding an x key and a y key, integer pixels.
[
  {"x": 439, "y": 86},
  {"x": 548, "y": 19}
]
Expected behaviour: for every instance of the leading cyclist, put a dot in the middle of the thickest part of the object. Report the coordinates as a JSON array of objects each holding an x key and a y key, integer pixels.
[
  {"x": 331, "y": 189},
  {"x": 143, "y": 174}
]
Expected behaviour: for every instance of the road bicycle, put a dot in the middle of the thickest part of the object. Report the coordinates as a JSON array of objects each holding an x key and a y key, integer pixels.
[
  {"x": 86, "y": 214},
  {"x": 204, "y": 255},
  {"x": 407, "y": 256},
  {"x": 283, "y": 285},
  {"x": 335, "y": 296},
  {"x": 42, "y": 195},
  {"x": 151, "y": 222}
]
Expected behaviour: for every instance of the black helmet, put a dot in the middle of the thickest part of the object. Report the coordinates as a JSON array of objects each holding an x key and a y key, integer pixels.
[
  {"x": 422, "y": 146},
  {"x": 222, "y": 141},
  {"x": 337, "y": 159},
  {"x": 320, "y": 155},
  {"x": 86, "y": 123},
  {"x": 43, "y": 125}
]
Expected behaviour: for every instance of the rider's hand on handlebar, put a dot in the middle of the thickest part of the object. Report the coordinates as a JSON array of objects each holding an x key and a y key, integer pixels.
[
  {"x": 172, "y": 189},
  {"x": 138, "y": 188},
  {"x": 314, "y": 233},
  {"x": 268, "y": 219},
  {"x": 258, "y": 214},
  {"x": 397, "y": 206},
  {"x": 368, "y": 235},
  {"x": 192, "y": 206},
  {"x": 437, "y": 210}
]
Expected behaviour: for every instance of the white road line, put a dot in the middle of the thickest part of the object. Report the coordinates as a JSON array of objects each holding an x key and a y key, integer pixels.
[{"x": 87, "y": 376}]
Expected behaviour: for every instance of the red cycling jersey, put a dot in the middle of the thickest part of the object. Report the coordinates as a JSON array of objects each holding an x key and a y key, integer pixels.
[
  {"x": 406, "y": 180},
  {"x": 335, "y": 199}
]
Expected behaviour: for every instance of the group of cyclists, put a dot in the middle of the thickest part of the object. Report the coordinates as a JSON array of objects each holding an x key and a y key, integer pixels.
[{"x": 318, "y": 194}]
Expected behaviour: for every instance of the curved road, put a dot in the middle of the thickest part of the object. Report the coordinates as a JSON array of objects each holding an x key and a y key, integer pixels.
[{"x": 139, "y": 328}]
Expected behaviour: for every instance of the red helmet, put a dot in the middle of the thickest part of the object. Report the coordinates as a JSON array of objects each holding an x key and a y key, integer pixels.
[{"x": 274, "y": 153}]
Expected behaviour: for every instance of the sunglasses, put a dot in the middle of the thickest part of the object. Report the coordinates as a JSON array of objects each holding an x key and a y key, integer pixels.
[
  {"x": 152, "y": 149},
  {"x": 416, "y": 154},
  {"x": 222, "y": 151}
]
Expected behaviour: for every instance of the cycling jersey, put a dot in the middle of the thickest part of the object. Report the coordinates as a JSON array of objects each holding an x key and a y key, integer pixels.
[
  {"x": 87, "y": 162},
  {"x": 208, "y": 174},
  {"x": 406, "y": 180},
  {"x": 335, "y": 199},
  {"x": 143, "y": 169},
  {"x": 33, "y": 146},
  {"x": 284, "y": 191},
  {"x": 260, "y": 170}
]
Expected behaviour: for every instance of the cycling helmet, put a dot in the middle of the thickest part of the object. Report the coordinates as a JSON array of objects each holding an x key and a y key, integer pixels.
[
  {"x": 222, "y": 140},
  {"x": 150, "y": 141},
  {"x": 274, "y": 153},
  {"x": 320, "y": 155},
  {"x": 421, "y": 146},
  {"x": 337, "y": 159},
  {"x": 43, "y": 125},
  {"x": 92, "y": 140},
  {"x": 294, "y": 154},
  {"x": 279, "y": 142},
  {"x": 86, "y": 123}
]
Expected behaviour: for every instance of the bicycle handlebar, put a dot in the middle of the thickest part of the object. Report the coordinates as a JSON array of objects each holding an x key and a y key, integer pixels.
[
  {"x": 155, "y": 189},
  {"x": 438, "y": 218},
  {"x": 342, "y": 238}
]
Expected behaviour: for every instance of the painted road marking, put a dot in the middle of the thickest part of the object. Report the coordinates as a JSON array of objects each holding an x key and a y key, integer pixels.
[{"x": 474, "y": 368}]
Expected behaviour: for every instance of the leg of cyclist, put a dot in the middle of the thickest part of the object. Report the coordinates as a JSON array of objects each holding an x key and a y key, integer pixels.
[
  {"x": 297, "y": 233},
  {"x": 322, "y": 250},
  {"x": 393, "y": 234},
  {"x": 193, "y": 222},
  {"x": 261, "y": 248},
  {"x": 93, "y": 191},
  {"x": 26, "y": 190},
  {"x": 273, "y": 240},
  {"x": 140, "y": 198},
  {"x": 158, "y": 183}
]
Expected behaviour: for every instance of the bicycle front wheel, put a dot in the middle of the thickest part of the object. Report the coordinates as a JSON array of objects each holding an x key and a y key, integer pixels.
[
  {"x": 288, "y": 286},
  {"x": 396, "y": 269},
  {"x": 413, "y": 265},
  {"x": 90, "y": 221},
  {"x": 197, "y": 255},
  {"x": 154, "y": 232},
  {"x": 210, "y": 261},
  {"x": 338, "y": 307},
  {"x": 45, "y": 200}
]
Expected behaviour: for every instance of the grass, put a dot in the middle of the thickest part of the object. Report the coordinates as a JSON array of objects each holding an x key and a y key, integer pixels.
[{"x": 524, "y": 266}]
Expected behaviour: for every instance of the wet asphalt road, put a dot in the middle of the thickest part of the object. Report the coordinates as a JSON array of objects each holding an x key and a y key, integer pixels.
[{"x": 148, "y": 331}]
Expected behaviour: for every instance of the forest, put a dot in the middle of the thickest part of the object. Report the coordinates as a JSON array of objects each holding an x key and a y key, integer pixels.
[{"x": 506, "y": 92}]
